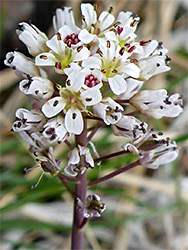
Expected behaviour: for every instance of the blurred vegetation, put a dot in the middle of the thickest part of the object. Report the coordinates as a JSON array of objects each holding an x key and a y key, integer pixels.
[{"x": 146, "y": 209}]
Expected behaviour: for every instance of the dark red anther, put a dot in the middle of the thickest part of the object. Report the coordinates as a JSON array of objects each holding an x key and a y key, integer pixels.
[
  {"x": 58, "y": 65},
  {"x": 131, "y": 49},
  {"x": 119, "y": 30},
  {"x": 144, "y": 42}
]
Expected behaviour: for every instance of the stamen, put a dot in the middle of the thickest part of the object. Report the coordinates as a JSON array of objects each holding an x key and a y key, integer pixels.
[
  {"x": 131, "y": 49},
  {"x": 110, "y": 10},
  {"x": 100, "y": 53},
  {"x": 26, "y": 170},
  {"x": 116, "y": 24},
  {"x": 133, "y": 60},
  {"x": 133, "y": 23},
  {"x": 58, "y": 86},
  {"x": 43, "y": 57},
  {"x": 83, "y": 18},
  {"x": 59, "y": 37},
  {"x": 108, "y": 44},
  {"x": 58, "y": 65},
  {"x": 34, "y": 186},
  {"x": 79, "y": 48},
  {"x": 71, "y": 39},
  {"x": 121, "y": 51},
  {"x": 144, "y": 42}
]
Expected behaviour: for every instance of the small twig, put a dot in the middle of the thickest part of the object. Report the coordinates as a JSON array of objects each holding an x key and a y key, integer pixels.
[
  {"x": 117, "y": 172},
  {"x": 122, "y": 101},
  {"x": 136, "y": 112},
  {"x": 68, "y": 178},
  {"x": 122, "y": 152},
  {"x": 83, "y": 222},
  {"x": 66, "y": 185},
  {"x": 69, "y": 144},
  {"x": 93, "y": 118},
  {"x": 99, "y": 125}
]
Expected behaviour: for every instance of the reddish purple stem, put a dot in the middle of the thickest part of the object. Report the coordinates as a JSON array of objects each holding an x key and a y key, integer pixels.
[{"x": 111, "y": 175}]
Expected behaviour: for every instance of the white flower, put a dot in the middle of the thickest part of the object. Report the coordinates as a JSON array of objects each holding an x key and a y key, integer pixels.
[
  {"x": 22, "y": 65},
  {"x": 114, "y": 65},
  {"x": 32, "y": 37},
  {"x": 72, "y": 101},
  {"x": 88, "y": 78},
  {"x": 109, "y": 110},
  {"x": 123, "y": 32},
  {"x": 92, "y": 207},
  {"x": 130, "y": 127},
  {"x": 153, "y": 61},
  {"x": 28, "y": 120},
  {"x": 93, "y": 28},
  {"x": 157, "y": 103},
  {"x": 62, "y": 54},
  {"x": 63, "y": 17},
  {"x": 153, "y": 152},
  {"x": 75, "y": 164},
  {"x": 54, "y": 130},
  {"x": 37, "y": 87}
]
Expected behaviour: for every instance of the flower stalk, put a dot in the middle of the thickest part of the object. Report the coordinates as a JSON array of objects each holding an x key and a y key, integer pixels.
[
  {"x": 113, "y": 174},
  {"x": 80, "y": 190}
]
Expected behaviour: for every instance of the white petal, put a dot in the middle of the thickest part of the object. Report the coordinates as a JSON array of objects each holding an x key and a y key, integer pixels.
[
  {"x": 81, "y": 54},
  {"x": 132, "y": 70},
  {"x": 64, "y": 17},
  {"x": 74, "y": 157},
  {"x": 108, "y": 49},
  {"x": 56, "y": 45},
  {"x": 85, "y": 36},
  {"x": 73, "y": 67},
  {"x": 89, "y": 13},
  {"x": 53, "y": 106},
  {"x": 117, "y": 84},
  {"x": 106, "y": 19},
  {"x": 69, "y": 170},
  {"x": 74, "y": 121},
  {"x": 65, "y": 31},
  {"x": 91, "y": 97},
  {"x": 45, "y": 59},
  {"x": 89, "y": 159},
  {"x": 130, "y": 147},
  {"x": 92, "y": 62},
  {"x": 74, "y": 83}
]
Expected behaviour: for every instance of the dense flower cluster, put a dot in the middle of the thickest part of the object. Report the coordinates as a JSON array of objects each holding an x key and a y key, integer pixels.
[{"x": 102, "y": 68}]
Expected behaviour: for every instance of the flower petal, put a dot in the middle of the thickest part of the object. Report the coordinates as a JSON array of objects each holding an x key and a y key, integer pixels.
[
  {"x": 81, "y": 53},
  {"x": 85, "y": 36},
  {"x": 131, "y": 70},
  {"x": 45, "y": 59},
  {"x": 106, "y": 19},
  {"x": 91, "y": 96},
  {"x": 53, "y": 106},
  {"x": 74, "y": 121},
  {"x": 117, "y": 84},
  {"x": 89, "y": 13}
]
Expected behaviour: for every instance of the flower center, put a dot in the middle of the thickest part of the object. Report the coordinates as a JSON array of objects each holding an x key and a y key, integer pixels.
[
  {"x": 91, "y": 81},
  {"x": 71, "y": 40},
  {"x": 73, "y": 99}
]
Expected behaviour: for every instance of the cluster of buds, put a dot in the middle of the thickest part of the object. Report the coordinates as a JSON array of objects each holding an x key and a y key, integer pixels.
[{"x": 101, "y": 68}]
